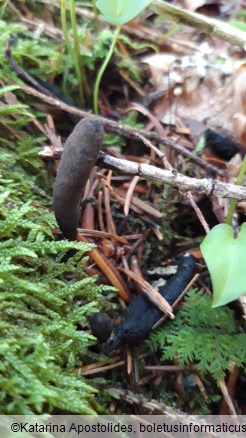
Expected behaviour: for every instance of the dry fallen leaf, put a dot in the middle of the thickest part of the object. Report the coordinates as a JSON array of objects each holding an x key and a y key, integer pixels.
[
  {"x": 239, "y": 89},
  {"x": 192, "y": 5},
  {"x": 240, "y": 129}
]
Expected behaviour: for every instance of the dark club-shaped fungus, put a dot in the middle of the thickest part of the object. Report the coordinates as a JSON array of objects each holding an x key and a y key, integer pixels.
[
  {"x": 80, "y": 154},
  {"x": 141, "y": 315}
]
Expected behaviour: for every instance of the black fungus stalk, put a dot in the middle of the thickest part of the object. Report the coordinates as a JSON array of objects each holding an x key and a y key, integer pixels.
[{"x": 141, "y": 315}]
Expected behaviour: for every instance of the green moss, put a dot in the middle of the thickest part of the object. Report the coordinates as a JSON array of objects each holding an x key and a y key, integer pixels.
[
  {"x": 41, "y": 346},
  {"x": 208, "y": 337},
  {"x": 40, "y": 341}
]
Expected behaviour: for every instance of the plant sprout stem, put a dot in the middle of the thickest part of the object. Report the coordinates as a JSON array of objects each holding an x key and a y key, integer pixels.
[
  {"x": 3, "y": 9},
  {"x": 70, "y": 50},
  {"x": 233, "y": 203},
  {"x": 78, "y": 56},
  {"x": 103, "y": 68},
  {"x": 96, "y": 21}
]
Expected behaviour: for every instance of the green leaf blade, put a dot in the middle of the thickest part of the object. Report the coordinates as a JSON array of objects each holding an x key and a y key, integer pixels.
[
  {"x": 226, "y": 262},
  {"x": 119, "y": 12}
]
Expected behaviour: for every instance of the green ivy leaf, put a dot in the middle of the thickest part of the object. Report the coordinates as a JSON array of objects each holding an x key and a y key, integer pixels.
[
  {"x": 225, "y": 258},
  {"x": 121, "y": 11}
]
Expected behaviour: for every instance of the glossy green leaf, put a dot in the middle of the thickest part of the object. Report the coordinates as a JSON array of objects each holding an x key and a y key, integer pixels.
[
  {"x": 121, "y": 11},
  {"x": 225, "y": 257}
]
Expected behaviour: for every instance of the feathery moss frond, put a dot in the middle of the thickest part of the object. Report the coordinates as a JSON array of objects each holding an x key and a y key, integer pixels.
[
  {"x": 209, "y": 337},
  {"x": 43, "y": 315}
]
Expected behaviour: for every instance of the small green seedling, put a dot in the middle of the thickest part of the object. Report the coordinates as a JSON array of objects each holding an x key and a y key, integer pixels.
[
  {"x": 200, "y": 146},
  {"x": 117, "y": 12},
  {"x": 225, "y": 258},
  {"x": 74, "y": 51}
]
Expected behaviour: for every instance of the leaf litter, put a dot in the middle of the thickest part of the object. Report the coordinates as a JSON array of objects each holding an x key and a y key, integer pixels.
[{"x": 195, "y": 82}]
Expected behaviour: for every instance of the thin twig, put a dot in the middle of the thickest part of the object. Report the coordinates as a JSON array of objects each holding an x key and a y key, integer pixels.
[
  {"x": 123, "y": 130},
  {"x": 227, "y": 397},
  {"x": 103, "y": 235},
  {"x": 150, "y": 292},
  {"x": 208, "y": 25},
  {"x": 129, "y": 194},
  {"x": 198, "y": 213},
  {"x": 171, "y": 368},
  {"x": 21, "y": 72},
  {"x": 183, "y": 183},
  {"x": 181, "y": 296},
  {"x": 205, "y": 186}
]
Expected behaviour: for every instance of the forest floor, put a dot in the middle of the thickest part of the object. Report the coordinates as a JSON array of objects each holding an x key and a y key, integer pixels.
[{"x": 172, "y": 102}]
